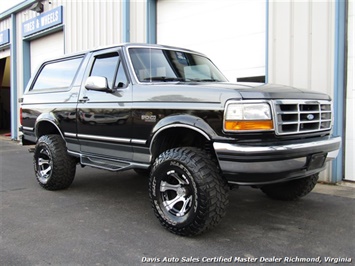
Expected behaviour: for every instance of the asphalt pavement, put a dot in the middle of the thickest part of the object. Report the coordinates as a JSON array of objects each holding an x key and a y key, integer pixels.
[{"x": 105, "y": 218}]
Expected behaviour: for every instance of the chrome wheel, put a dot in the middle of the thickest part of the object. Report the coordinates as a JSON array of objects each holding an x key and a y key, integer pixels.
[
  {"x": 176, "y": 193},
  {"x": 44, "y": 165}
]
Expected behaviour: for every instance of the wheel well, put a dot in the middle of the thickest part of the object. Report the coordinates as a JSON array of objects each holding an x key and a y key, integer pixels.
[
  {"x": 46, "y": 128},
  {"x": 178, "y": 137}
]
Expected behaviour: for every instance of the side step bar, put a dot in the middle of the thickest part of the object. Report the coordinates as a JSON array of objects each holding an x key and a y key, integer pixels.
[{"x": 110, "y": 165}]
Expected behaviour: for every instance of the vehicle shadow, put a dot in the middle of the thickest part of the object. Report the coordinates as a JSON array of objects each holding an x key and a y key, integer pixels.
[
  {"x": 251, "y": 215},
  {"x": 115, "y": 208}
]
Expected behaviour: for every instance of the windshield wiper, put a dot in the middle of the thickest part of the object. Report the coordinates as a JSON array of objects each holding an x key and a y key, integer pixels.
[
  {"x": 204, "y": 80},
  {"x": 165, "y": 79}
]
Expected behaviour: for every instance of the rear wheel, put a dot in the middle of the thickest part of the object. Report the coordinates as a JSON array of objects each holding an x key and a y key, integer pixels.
[
  {"x": 291, "y": 190},
  {"x": 54, "y": 167},
  {"x": 187, "y": 192}
]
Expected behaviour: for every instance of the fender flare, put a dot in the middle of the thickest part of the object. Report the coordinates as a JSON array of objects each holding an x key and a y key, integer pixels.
[
  {"x": 182, "y": 121},
  {"x": 47, "y": 117}
]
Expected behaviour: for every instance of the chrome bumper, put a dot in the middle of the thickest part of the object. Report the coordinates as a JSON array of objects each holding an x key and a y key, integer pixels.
[{"x": 244, "y": 164}]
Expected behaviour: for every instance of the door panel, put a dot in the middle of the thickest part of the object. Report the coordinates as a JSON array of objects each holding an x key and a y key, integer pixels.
[{"x": 104, "y": 118}]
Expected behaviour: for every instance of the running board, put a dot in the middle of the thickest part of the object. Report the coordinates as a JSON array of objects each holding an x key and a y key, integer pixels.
[{"x": 110, "y": 165}]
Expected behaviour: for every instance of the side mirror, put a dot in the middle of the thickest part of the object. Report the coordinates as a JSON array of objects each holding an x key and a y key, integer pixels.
[{"x": 97, "y": 83}]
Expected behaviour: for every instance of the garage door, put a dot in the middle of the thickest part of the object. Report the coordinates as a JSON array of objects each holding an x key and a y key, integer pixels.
[
  {"x": 45, "y": 48},
  {"x": 231, "y": 33}
]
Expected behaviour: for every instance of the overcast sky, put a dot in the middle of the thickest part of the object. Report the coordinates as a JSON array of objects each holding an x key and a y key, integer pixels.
[{"x": 7, "y": 4}]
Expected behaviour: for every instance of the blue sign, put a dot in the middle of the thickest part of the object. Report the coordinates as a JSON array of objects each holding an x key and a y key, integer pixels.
[
  {"x": 4, "y": 37},
  {"x": 44, "y": 21}
]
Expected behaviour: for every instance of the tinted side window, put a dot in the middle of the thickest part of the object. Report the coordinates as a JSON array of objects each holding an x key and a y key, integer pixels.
[
  {"x": 105, "y": 66},
  {"x": 57, "y": 75}
]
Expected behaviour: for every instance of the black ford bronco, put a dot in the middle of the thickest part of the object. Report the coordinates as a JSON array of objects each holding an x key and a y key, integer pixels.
[{"x": 170, "y": 114}]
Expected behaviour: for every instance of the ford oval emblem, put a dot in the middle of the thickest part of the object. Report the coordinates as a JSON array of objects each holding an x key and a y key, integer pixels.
[{"x": 310, "y": 117}]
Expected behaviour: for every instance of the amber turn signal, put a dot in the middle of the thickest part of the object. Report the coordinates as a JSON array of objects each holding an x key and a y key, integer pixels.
[{"x": 249, "y": 125}]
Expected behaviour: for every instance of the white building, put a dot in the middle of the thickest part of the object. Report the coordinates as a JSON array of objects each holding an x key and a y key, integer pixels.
[{"x": 307, "y": 44}]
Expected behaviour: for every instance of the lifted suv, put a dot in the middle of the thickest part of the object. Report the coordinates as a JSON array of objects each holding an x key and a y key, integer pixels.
[{"x": 171, "y": 114}]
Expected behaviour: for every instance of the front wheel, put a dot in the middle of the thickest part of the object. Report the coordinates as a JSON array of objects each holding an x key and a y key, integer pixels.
[
  {"x": 187, "y": 192},
  {"x": 54, "y": 167},
  {"x": 291, "y": 190}
]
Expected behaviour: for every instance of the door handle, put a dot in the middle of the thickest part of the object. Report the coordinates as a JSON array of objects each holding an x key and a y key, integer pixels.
[{"x": 84, "y": 99}]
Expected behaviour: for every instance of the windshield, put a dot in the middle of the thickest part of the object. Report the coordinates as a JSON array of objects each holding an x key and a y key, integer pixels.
[{"x": 168, "y": 65}]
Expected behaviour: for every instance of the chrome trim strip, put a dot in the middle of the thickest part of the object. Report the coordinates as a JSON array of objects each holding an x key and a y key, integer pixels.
[
  {"x": 71, "y": 135},
  {"x": 28, "y": 128},
  {"x": 93, "y": 137},
  {"x": 138, "y": 141},
  {"x": 76, "y": 154}
]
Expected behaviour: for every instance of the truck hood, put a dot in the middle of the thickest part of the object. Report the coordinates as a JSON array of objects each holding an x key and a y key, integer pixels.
[
  {"x": 271, "y": 91},
  {"x": 220, "y": 92}
]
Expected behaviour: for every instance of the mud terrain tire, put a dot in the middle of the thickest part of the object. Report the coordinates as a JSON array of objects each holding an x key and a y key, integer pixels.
[
  {"x": 54, "y": 167},
  {"x": 291, "y": 190},
  {"x": 187, "y": 192}
]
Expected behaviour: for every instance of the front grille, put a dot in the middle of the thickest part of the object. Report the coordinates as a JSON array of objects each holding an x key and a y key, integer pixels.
[{"x": 294, "y": 117}]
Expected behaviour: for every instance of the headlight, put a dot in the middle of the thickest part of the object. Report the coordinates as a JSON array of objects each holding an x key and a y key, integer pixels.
[{"x": 248, "y": 116}]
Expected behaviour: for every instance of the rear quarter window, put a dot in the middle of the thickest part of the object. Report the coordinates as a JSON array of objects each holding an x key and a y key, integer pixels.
[{"x": 57, "y": 75}]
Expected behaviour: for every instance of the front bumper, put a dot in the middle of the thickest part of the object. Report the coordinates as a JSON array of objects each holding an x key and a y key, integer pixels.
[{"x": 260, "y": 165}]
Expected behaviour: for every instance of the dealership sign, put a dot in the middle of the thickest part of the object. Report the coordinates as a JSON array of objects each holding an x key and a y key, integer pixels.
[
  {"x": 4, "y": 37},
  {"x": 42, "y": 22}
]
